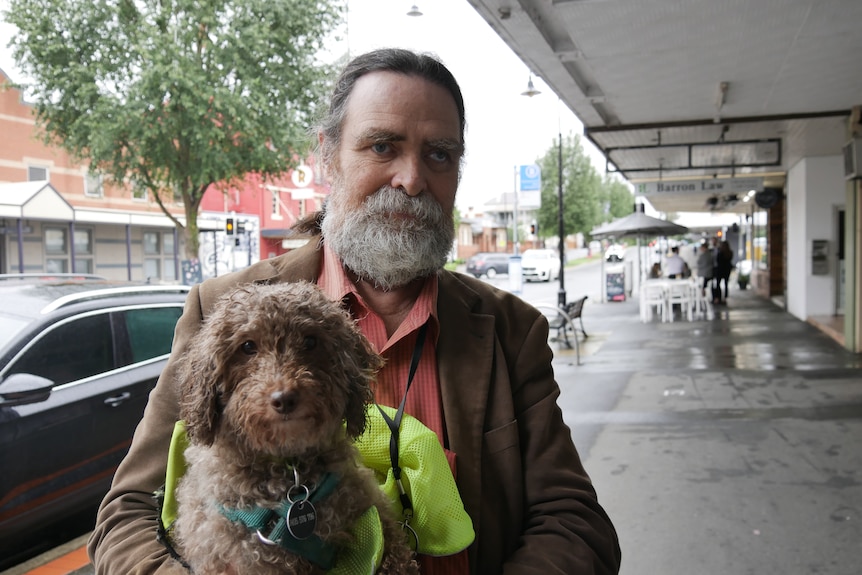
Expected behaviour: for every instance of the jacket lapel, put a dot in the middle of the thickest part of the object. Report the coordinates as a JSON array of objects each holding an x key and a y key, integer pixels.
[{"x": 465, "y": 354}]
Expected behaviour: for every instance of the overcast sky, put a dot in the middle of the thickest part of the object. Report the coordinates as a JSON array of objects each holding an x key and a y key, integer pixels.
[{"x": 504, "y": 129}]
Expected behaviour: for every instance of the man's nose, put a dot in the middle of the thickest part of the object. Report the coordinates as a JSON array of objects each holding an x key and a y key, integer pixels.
[{"x": 410, "y": 175}]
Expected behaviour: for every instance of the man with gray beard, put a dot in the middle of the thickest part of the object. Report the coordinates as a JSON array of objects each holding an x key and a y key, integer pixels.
[{"x": 468, "y": 361}]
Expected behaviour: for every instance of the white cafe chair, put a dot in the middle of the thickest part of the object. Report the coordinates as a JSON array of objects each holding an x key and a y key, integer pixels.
[
  {"x": 679, "y": 293},
  {"x": 652, "y": 298}
]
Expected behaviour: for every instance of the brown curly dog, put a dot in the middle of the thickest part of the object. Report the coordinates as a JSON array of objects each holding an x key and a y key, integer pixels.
[{"x": 274, "y": 484}]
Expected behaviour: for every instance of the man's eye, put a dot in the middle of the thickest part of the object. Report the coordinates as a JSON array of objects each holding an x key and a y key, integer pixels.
[
  {"x": 440, "y": 156},
  {"x": 380, "y": 148},
  {"x": 309, "y": 343},
  {"x": 249, "y": 348}
]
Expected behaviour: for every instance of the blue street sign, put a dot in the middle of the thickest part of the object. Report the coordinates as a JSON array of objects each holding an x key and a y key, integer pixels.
[{"x": 531, "y": 178}]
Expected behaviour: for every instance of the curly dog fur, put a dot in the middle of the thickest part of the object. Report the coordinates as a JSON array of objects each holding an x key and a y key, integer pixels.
[{"x": 266, "y": 388}]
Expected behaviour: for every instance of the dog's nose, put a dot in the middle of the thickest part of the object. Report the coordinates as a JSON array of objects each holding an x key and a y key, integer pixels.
[{"x": 283, "y": 402}]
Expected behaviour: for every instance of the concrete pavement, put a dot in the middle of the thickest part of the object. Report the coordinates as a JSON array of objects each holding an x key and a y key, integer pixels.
[{"x": 723, "y": 446}]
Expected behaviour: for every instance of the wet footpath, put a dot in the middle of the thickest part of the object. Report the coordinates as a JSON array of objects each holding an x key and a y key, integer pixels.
[{"x": 726, "y": 446}]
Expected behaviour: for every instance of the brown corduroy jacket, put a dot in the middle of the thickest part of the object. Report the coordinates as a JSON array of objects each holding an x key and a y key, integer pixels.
[{"x": 533, "y": 506}]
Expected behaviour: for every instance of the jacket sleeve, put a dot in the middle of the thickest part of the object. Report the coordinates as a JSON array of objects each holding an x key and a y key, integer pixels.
[
  {"x": 565, "y": 529},
  {"x": 124, "y": 538}
]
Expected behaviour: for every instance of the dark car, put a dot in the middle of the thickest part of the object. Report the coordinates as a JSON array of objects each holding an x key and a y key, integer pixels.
[
  {"x": 78, "y": 358},
  {"x": 489, "y": 264}
]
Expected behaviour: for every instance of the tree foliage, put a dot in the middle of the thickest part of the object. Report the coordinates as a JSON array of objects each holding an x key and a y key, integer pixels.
[
  {"x": 175, "y": 95},
  {"x": 581, "y": 189},
  {"x": 617, "y": 198},
  {"x": 588, "y": 199}
]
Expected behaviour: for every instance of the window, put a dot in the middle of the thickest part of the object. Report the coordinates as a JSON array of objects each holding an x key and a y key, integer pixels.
[
  {"x": 151, "y": 331},
  {"x": 56, "y": 250},
  {"x": 276, "y": 205},
  {"x": 139, "y": 192},
  {"x": 70, "y": 351},
  {"x": 37, "y": 173},
  {"x": 57, "y": 253},
  {"x": 159, "y": 258},
  {"x": 93, "y": 185},
  {"x": 83, "y": 251}
]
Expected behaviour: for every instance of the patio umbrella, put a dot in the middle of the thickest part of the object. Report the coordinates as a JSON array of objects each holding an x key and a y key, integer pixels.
[{"x": 639, "y": 225}]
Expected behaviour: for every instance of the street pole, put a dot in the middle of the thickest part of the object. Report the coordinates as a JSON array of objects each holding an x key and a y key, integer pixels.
[
  {"x": 516, "y": 276},
  {"x": 516, "y": 247},
  {"x": 561, "y": 295}
]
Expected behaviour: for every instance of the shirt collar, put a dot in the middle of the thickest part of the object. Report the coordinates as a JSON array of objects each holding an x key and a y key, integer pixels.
[{"x": 336, "y": 284}]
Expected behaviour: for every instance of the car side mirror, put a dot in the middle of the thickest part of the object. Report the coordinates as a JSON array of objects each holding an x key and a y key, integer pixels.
[{"x": 23, "y": 389}]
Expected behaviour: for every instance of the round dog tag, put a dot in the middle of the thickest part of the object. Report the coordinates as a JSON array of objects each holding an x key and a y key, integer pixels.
[{"x": 301, "y": 519}]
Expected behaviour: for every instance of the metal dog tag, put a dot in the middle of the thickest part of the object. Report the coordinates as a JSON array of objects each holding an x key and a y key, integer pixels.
[{"x": 301, "y": 519}]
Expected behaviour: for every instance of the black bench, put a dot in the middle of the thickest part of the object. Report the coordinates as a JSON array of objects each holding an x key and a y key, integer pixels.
[{"x": 563, "y": 321}]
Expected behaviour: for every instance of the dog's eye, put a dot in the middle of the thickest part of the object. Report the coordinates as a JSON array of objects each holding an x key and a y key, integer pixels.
[
  {"x": 309, "y": 343},
  {"x": 249, "y": 348}
]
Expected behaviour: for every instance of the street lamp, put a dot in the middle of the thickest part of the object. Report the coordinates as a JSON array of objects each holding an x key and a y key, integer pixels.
[{"x": 561, "y": 294}]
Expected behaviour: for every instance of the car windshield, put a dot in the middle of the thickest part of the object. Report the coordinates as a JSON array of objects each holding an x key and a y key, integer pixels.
[
  {"x": 537, "y": 255},
  {"x": 9, "y": 327}
]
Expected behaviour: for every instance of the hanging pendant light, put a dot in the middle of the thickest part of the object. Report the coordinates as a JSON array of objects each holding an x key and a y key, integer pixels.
[
  {"x": 414, "y": 11},
  {"x": 531, "y": 89}
]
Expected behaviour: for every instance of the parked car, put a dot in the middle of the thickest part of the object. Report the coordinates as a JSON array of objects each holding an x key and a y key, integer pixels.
[
  {"x": 540, "y": 265},
  {"x": 615, "y": 253},
  {"x": 78, "y": 358},
  {"x": 489, "y": 264}
]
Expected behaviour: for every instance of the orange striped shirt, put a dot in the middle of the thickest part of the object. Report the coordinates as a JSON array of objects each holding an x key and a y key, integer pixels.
[{"x": 423, "y": 401}]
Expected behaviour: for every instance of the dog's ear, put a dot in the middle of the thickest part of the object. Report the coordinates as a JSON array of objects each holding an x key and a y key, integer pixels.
[
  {"x": 199, "y": 375},
  {"x": 200, "y": 396},
  {"x": 365, "y": 366}
]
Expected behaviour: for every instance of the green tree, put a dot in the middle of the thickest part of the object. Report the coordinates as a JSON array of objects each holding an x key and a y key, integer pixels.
[
  {"x": 618, "y": 200},
  {"x": 175, "y": 95},
  {"x": 582, "y": 187}
]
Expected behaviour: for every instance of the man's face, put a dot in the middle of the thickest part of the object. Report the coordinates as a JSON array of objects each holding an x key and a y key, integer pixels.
[{"x": 389, "y": 213}]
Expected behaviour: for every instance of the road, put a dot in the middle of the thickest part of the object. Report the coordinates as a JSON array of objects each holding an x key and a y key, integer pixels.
[{"x": 581, "y": 280}]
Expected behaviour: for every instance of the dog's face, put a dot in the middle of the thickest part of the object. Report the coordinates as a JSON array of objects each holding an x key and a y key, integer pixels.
[{"x": 276, "y": 369}]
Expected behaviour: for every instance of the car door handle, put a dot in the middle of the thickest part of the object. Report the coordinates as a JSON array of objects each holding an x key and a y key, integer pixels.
[{"x": 118, "y": 399}]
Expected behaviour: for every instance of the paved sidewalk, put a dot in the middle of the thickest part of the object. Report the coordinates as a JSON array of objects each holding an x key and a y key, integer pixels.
[{"x": 724, "y": 446}]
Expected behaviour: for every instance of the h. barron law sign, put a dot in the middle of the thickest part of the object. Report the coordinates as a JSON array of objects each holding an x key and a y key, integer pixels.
[{"x": 731, "y": 186}]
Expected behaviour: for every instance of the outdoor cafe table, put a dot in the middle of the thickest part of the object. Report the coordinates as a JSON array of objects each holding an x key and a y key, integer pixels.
[{"x": 661, "y": 294}]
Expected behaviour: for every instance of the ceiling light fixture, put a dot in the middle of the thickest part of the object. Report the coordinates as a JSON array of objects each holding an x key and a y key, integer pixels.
[
  {"x": 531, "y": 89},
  {"x": 720, "y": 99},
  {"x": 414, "y": 11}
]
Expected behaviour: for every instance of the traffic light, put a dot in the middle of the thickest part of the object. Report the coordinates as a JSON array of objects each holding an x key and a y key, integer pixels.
[
  {"x": 533, "y": 229},
  {"x": 228, "y": 227},
  {"x": 240, "y": 226}
]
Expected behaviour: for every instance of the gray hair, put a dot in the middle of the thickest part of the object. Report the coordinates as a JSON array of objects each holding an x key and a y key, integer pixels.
[{"x": 395, "y": 60}]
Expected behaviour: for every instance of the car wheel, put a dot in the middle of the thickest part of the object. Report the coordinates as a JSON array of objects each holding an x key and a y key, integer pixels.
[
  {"x": 491, "y": 273},
  {"x": 477, "y": 276}
]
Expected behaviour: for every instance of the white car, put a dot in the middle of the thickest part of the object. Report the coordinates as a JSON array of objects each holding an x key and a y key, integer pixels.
[
  {"x": 540, "y": 265},
  {"x": 615, "y": 253}
]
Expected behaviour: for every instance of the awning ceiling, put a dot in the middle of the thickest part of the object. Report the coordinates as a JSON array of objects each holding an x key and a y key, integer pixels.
[{"x": 671, "y": 90}]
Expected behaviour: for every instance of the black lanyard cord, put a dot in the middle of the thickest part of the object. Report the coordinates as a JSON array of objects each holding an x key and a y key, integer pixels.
[{"x": 395, "y": 424}]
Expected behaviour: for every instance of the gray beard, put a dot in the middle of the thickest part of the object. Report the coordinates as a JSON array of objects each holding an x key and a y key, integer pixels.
[{"x": 385, "y": 251}]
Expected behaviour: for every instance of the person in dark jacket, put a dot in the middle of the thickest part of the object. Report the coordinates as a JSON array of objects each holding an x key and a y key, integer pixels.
[{"x": 724, "y": 265}]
